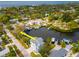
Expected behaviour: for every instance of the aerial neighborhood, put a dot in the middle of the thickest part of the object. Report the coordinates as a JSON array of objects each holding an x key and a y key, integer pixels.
[{"x": 40, "y": 31}]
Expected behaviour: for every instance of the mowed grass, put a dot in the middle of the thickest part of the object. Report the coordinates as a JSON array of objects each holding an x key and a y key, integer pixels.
[{"x": 21, "y": 42}]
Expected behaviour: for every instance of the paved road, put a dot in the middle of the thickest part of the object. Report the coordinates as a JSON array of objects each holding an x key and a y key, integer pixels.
[{"x": 16, "y": 42}]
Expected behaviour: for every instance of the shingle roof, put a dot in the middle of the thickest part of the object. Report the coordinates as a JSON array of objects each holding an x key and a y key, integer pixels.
[{"x": 58, "y": 53}]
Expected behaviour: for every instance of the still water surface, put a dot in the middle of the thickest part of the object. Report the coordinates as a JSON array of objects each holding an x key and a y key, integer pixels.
[{"x": 45, "y": 33}]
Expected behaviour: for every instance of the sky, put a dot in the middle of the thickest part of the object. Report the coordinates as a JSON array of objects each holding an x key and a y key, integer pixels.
[{"x": 18, "y": 3}]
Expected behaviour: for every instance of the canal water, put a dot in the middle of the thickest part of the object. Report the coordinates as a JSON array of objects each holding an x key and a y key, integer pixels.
[{"x": 45, "y": 33}]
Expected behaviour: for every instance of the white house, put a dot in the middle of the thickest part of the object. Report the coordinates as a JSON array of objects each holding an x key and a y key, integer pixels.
[
  {"x": 76, "y": 20},
  {"x": 13, "y": 20},
  {"x": 37, "y": 43},
  {"x": 66, "y": 40},
  {"x": 53, "y": 40},
  {"x": 24, "y": 18}
]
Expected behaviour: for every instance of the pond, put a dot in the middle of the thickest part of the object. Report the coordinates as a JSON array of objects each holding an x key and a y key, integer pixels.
[{"x": 45, "y": 33}]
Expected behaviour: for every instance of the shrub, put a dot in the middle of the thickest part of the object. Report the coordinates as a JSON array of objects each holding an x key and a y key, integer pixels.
[
  {"x": 63, "y": 44},
  {"x": 34, "y": 54}
]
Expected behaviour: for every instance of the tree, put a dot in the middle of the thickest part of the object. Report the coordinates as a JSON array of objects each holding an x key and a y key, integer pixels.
[
  {"x": 11, "y": 53},
  {"x": 63, "y": 44},
  {"x": 34, "y": 54},
  {"x": 4, "y": 19},
  {"x": 45, "y": 49},
  {"x": 1, "y": 29},
  {"x": 48, "y": 40},
  {"x": 67, "y": 16},
  {"x": 53, "y": 17},
  {"x": 50, "y": 18},
  {"x": 75, "y": 47}
]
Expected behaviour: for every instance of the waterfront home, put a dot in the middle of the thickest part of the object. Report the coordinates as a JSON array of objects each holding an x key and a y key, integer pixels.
[
  {"x": 58, "y": 53},
  {"x": 35, "y": 45},
  {"x": 38, "y": 43},
  {"x": 66, "y": 40},
  {"x": 53, "y": 40}
]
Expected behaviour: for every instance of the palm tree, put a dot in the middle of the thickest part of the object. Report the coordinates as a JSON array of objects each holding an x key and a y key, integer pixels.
[{"x": 47, "y": 46}]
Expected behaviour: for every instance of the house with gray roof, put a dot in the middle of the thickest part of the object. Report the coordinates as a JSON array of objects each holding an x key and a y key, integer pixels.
[{"x": 58, "y": 53}]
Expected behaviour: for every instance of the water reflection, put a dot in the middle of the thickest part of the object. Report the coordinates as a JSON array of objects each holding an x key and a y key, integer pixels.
[{"x": 45, "y": 33}]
